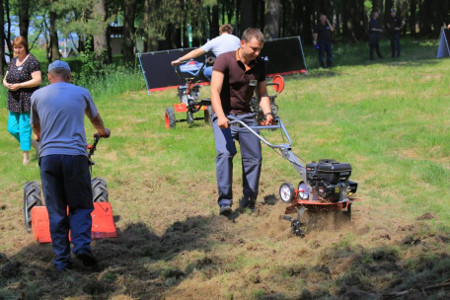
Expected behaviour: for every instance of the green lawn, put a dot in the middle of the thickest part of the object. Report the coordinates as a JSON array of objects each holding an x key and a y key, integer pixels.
[{"x": 389, "y": 119}]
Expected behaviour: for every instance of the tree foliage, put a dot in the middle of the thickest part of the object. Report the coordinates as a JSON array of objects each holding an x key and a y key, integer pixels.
[{"x": 162, "y": 24}]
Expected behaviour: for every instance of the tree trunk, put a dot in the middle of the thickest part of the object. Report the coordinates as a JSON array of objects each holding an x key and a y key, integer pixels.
[
  {"x": 214, "y": 26},
  {"x": 412, "y": 18},
  {"x": 2, "y": 38},
  {"x": 337, "y": 27},
  {"x": 54, "y": 51},
  {"x": 247, "y": 18},
  {"x": 272, "y": 19},
  {"x": 354, "y": 21},
  {"x": 223, "y": 13},
  {"x": 100, "y": 41},
  {"x": 377, "y": 5},
  {"x": 388, "y": 5},
  {"x": 129, "y": 10},
  {"x": 426, "y": 13},
  {"x": 234, "y": 9},
  {"x": 147, "y": 41},
  {"x": 308, "y": 21},
  {"x": 8, "y": 33},
  {"x": 24, "y": 17}
]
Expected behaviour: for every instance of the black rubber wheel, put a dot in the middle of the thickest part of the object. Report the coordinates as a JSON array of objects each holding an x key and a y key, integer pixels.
[
  {"x": 31, "y": 198},
  {"x": 190, "y": 117},
  {"x": 171, "y": 120},
  {"x": 99, "y": 189},
  {"x": 207, "y": 115}
]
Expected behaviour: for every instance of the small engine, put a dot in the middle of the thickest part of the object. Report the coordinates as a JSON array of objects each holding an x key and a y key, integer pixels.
[
  {"x": 329, "y": 180},
  {"x": 187, "y": 99}
]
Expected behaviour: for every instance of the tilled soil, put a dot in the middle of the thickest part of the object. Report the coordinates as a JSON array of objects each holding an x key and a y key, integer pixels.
[{"x": 249, "y": 255}]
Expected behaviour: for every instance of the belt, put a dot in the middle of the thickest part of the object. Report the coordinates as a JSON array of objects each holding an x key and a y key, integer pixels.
[{"x": 240, "y": 113}]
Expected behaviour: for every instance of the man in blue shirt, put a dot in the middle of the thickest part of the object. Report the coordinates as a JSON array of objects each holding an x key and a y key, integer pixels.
[
  {"x": 57, "y": 118},
  {"x": 225, "y": 42}
]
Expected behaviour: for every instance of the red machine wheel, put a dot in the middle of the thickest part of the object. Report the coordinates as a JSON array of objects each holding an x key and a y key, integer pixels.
[
  {"x": 278, "y": 83},
  {"x": 171, "y": 121}
]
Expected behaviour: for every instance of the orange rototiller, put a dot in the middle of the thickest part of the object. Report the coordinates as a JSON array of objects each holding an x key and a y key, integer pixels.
[
  {"x": 36, "y": 215},
  {"x": 324, "y": 185}
]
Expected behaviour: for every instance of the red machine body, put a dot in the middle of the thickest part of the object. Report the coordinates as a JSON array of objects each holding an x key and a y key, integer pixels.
[{"x": 102, "y": 223}]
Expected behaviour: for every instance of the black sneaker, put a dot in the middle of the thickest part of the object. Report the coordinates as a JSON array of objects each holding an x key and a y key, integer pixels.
[
  {"x": 247, "y": 203},
  {"x": 87, "y": 259},
  {"x": 225, "y": 210}
]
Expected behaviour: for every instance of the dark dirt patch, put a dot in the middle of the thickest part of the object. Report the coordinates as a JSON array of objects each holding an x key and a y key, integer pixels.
[
  {"x": 183, "y": 261},
  {"x": 95, "y": 288},
  {"x": 10, "y": 269},
  {"x": 427, "y": 216}
]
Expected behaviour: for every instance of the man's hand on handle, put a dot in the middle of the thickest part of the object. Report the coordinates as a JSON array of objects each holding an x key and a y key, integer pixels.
[
  {"x": 175, "y": 62},
  {"x": 268, "y": 119},
  {"x": 104, "y": 133},
  {"x": 223, "y": 122}
]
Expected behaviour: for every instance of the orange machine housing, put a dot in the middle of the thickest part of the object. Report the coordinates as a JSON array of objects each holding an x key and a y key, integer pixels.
[{"x": 102, "y": 223}]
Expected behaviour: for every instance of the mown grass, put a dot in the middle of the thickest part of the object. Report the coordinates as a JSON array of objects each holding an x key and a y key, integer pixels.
[{"x": 389, "y": 119}]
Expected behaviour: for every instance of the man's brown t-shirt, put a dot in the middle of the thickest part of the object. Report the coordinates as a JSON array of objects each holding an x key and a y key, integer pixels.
[{"x": 238, "y": 84}]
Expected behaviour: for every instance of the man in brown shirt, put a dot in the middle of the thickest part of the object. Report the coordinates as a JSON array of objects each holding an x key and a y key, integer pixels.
[{"x": 235, "y": 77}]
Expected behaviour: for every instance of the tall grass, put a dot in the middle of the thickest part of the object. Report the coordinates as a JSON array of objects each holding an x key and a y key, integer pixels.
[{"x": 116, "y": 80}]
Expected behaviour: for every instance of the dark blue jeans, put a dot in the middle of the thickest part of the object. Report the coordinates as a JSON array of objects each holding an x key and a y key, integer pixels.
[
  {"x": 395, "y": 44},
  {"x": 66, "y": 183},
  {"x": 325, "y": 46},
  {"x": 226, "y": 150},
  {"x": 374, "y": 45}
]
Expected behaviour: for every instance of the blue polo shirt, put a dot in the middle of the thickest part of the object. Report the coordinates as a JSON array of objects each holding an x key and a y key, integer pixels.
[{"x": 59, "y": 108}]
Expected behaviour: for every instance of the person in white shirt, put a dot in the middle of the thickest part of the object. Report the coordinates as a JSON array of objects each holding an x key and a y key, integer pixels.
[{"x": 225, "y": 42}]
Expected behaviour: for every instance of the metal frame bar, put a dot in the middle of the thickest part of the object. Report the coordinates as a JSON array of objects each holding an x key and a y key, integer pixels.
[
  {"x": 285, "y": 149},
  {"x": 143, "y": 72},
  {"x": 303, "y": 54}
]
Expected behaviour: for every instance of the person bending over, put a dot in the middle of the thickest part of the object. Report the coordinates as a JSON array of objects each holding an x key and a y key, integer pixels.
[{"x": 225, "y": 42}]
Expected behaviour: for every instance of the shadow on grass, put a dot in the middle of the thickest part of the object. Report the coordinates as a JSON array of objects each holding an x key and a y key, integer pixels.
[
  {"x": 400, "y": 271},
  {"x": 137, "y": 263},
  {"x": 144, "y": 265}
]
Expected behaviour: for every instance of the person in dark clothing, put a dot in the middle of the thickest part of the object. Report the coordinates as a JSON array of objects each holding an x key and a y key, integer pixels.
[
  {"x": 395, "y": 26},
  {"x": 236, "y": 76},
  {"x": 374, "y": 30},
  {"x": 322, "y": 37}
]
